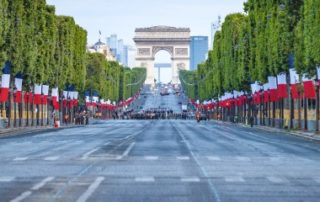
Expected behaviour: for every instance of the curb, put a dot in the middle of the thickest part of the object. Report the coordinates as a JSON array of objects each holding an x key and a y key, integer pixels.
[
  {"x": 309, "y": 136},
  {"x": 32, "y": 131}
]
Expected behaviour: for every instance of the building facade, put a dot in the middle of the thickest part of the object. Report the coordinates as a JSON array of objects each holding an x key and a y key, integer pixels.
[
  {"x": 198, "y": 51},
  {"x": 102, "y": 48}
]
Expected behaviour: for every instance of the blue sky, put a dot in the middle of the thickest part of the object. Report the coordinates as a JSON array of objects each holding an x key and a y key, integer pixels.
[{"x": 123, "y": 16}]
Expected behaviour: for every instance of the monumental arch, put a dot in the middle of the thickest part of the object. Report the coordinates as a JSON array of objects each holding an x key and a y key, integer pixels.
[{"x": 176, "y": 41}]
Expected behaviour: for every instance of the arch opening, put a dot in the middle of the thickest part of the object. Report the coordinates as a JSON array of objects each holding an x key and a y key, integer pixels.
[{"x": 163, "y": 66}]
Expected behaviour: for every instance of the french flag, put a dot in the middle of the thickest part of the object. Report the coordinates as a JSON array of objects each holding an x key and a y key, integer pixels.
[
  {"x": 266, "y": 92},
  {"x": 45, "y": 92},
  {"x": 55, "y": 98},
  {"x": 87, "y": 97},
  {"x": 18, "y": 84},
  {"x": 5, "y": 82},
  {"x": 75, "y": 98},
  {"x": 309, "y": 88},
  {"x": 282, "y": 86},
  {"x": 273, "y": 88},
  {"x": 294, "y": 81},
  {"x": 37, "y": 94},
  {"x": 65, "y": 97},
  {"x": 95, "y": 99}
]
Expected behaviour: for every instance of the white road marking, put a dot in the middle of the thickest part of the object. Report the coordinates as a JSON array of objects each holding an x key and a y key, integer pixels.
[
  {"x": 275, "y": 179},
  {"x": 190, "y": 179},
  {"x": 275, "y": 158},
  {"x": 91, "y": 189},
  {"x": 21, "y": 158},
  {"x": 22, "y": 196},
  {"x": 234, "y": 179},
  {"x": 317, "y": 179},
  {"x": 214, "y": 158},
  {"x": 42, "y": 183},
  {"x": 86, "y": 155},
  {"x": 127, "y": 151},
  {"x": 183, "y": 158},
  {"x": 6, "y": 179},
  {"x": 151, "y": 158},
  {"x": 242, "y": 158},
  {"x": 144, "y": 179},
  {"x": 52, "y": 158}
]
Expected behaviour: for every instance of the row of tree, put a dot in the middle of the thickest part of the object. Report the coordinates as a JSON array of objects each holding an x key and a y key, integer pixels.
[
  {"x": 51, "y": 49},
  {"x": 111, "y": 80},
  {"x": 269, "y": 38}
]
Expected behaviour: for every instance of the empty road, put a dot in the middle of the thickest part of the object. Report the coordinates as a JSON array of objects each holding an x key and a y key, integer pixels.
[{"x": 169, "y": 160}]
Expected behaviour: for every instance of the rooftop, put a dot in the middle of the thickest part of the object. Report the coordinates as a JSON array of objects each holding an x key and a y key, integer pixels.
[{"x": 162, "y": 29}]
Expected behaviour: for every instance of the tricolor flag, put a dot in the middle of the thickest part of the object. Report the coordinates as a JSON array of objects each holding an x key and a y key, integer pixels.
[
  {"x": 55, "y": 98},
  {"x": 75, "y": 98},
  {"x": 45, "y": 92},
  {"x": 266, "y": 92},
  {"x": 28, "y": 98},
  {"x": 5, "y": 82},
  {"x": 273, "y": 88},
  {"x": 95, "y": 99},
  {"x": 256, "y": 88},
  {"x": 282, "y": 86},
  {"x": 37, "y": 94},
  {"x": 18, "y": 84},
  {"x": 309, "y": 89},
  {"x": 87, "y": 97},
  {"x": 294, "y": 81}
]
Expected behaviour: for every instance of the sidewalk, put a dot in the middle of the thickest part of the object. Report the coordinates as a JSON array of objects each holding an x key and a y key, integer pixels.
[
  {"x": 9, "y": 132},
  {"x": 304, "y": 134}
]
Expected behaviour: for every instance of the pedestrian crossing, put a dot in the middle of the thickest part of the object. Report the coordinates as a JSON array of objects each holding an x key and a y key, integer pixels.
[{"x": 87, "y": 155}]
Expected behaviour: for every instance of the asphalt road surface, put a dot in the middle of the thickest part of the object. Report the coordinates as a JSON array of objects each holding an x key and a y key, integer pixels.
[
  {"x": 155, "y": 100},
  {"x": 168, "y": 160}
]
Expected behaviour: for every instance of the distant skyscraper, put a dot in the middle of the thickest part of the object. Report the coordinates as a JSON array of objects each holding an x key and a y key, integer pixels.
[
  {"x": 125, "y": 54},
  {"x": 198, "y": 50},
  {"x": 118, "y": 49}
]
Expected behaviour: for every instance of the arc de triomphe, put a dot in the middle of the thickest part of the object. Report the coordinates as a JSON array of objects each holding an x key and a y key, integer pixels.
[{"x": 176, "y": 41}]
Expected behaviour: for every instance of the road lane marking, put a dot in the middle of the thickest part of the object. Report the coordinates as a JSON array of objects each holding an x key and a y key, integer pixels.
[
  {"x": 190, "y": 179},
  {"x": 183, "y": 158},
  {"x": 6, "y": 179},
  {"x": 275, "y": 158},
  {"x": 42, "y": 183},
  {"x": 52, "y": 158},
  {"x": 317, "y": 179},
  {"x": 234, "y": 179},
  {"x": 243, "y": 158},
  {"x": 127, "y": 151},
  {"x": 275, "y": 179},
  {"x": 204, "y": 172},
  {"x": 214, "y": 158},
  {"x": 21, "y": 158},
  {"x": 86, "y": 155},
  {"x": 144, "y": 179},
  {"x": 151, "y": 158},
  {"x": 22, "y": 196},
  {"x": 91, "y": 189}
]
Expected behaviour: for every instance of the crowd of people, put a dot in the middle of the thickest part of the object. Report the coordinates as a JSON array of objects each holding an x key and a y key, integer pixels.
[{"x": 158, "y": 114}]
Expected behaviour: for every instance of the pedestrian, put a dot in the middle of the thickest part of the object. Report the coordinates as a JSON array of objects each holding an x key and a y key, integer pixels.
[{"x": 251, "y": 120}]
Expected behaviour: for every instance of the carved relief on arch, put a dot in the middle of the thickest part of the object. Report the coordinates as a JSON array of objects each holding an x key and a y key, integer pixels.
[
  {"x": 181, "y": 66},
  {"x": 181, "y": 51},
  {"x": 144, "y": 51},
  {"x": 156, "y": 49}
]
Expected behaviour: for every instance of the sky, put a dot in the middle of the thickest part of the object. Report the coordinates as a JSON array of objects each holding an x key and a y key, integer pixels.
[{"x": 121, "y": 17}]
